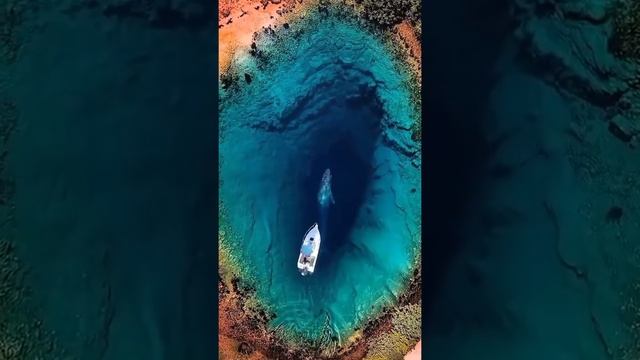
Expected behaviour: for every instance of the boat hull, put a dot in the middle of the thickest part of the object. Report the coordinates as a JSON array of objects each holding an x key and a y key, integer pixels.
[{"x": 309, "y": 251}]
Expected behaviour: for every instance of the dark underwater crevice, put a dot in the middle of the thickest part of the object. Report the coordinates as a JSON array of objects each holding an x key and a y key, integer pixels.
[{"x": 553, "y": 69}]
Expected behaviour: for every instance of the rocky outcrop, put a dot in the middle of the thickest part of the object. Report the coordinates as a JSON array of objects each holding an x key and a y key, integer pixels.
[
  {"x": 569, "y": 45},
  {"x": 22, "y": 334},
  {"x": 625, "y": 39}
]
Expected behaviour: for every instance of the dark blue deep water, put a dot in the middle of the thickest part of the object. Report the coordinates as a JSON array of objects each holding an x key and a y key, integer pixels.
[{"x": 519, "y": 258}]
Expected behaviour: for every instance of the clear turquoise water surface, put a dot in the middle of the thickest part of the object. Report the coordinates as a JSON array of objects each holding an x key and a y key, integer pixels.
[{"x": 333, "y": 99}]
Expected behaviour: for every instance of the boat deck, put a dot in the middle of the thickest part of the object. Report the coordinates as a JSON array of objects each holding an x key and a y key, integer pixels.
[{"x": 309, "y": 250}]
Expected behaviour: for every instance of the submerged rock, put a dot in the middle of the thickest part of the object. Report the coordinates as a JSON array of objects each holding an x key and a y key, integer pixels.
[
  {"x": 245, "y": 348},
  {"x": 614, "y": 214},
  {"x": 624, "y": 128}
]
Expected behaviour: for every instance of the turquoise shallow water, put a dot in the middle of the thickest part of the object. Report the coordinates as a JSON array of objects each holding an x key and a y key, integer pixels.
[{"x": 333, "y": 100}]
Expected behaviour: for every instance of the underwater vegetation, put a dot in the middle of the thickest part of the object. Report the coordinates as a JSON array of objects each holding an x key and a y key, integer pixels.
[
  {"x": 63, "y": 269},
  {"x": 631, "y": 313},
  {"x": 625, "y": 41},
  {"x": 244, "y": 316},
  {"x": 22, "y": 334},
  {"x": 11, "y": 14}
]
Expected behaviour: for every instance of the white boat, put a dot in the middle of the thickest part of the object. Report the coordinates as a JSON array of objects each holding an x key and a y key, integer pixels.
[{"x": 309, "y": 250}]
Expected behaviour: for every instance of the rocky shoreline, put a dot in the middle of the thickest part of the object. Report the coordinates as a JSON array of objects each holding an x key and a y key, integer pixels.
[
  {"x": 244, "y": 333},
  {"x": 240, "y": 22}
]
